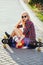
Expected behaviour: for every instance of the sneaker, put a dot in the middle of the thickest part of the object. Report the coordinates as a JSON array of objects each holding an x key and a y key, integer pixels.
[
  {"x": 7, "y": 34},
  {"x": 25, "y": 47}
]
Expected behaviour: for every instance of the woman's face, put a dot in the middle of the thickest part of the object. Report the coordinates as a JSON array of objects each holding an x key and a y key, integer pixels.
[{"x": 25, "y": 17}]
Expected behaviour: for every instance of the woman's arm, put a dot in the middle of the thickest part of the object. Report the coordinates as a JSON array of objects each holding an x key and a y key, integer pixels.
[{"x": 18, "y": 24}]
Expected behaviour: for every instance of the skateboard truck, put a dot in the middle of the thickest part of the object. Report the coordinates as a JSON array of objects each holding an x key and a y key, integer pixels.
[
  {"x": 40, "y": 45},
  {"x": 4, "y": 41}
]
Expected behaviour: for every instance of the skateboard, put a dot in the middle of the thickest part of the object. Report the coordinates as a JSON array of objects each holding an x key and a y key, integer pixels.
[{"x": 5, "y": 41}]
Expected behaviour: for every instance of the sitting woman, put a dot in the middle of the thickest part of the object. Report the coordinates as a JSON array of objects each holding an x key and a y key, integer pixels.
[{"x": 27, "y": 36}]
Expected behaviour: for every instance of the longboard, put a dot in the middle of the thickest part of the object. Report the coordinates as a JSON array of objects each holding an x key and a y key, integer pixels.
[{"x": 5, "y": 40}]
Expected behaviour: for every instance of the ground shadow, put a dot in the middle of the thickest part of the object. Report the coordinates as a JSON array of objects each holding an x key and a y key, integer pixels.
[{"x": 26, "y": 56}]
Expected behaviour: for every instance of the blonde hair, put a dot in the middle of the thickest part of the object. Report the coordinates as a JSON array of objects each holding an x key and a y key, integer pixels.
[{"x": 26, "y": 14}]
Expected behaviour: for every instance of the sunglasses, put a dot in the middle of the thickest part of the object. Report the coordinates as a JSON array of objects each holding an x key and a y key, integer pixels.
[{"x": 24, "y": 16}]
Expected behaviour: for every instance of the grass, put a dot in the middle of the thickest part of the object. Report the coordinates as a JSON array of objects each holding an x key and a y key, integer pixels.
[
  {"x": 38, "y": 13},
  {"x": 40, "y": 16}
]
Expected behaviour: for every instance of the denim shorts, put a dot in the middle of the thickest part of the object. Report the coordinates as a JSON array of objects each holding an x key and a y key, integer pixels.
[{"x": 26, "y": 41}]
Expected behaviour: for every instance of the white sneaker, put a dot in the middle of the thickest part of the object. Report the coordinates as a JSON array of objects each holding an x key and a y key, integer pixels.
[{"x": 25, "y": 47}]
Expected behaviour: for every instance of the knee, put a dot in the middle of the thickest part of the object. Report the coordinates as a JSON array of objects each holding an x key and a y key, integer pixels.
[{"x": 15, "y": 28}]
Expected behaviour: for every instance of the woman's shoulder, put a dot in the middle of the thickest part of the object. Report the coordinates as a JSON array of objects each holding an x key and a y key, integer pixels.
[{"x": 29, "y": 22}]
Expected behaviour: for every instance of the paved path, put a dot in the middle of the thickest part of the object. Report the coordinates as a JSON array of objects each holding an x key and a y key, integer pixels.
[
  {"x": 9, "y": 14},
  {"x": 5, "y": 58},
  {"x": 11, "y": 56},
  {"x": 10, "y": 11}
]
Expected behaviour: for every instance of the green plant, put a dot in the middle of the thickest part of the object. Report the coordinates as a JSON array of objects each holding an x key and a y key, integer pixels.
[{"x": 35, "y": 2}]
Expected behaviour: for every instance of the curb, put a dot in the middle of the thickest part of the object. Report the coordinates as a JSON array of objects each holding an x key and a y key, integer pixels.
[{"x": 39, "y": 25}]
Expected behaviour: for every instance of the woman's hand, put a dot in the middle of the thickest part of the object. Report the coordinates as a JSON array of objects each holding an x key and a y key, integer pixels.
[{"x": 18, "y": 24}]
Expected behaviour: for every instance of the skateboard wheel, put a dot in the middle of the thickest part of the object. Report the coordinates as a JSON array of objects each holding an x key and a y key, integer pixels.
[
  {"x": 4, "y": 45},
  {"x": 38, "y": 49}
]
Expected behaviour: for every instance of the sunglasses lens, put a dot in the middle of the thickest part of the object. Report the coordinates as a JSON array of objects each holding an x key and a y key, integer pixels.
[{"x": 24, "y": 16}]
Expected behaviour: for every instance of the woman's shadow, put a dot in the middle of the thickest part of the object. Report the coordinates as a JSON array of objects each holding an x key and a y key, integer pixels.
[
  {"x": 17, "y": 55},
  {"x": 13, "y": 52},
  {"x": 22, "y": 56}
]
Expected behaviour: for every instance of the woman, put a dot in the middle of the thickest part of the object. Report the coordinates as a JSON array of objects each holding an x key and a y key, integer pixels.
[{"x": 28, "y": 35}]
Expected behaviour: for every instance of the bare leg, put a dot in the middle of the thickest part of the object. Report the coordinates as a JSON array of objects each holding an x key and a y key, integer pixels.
[{"x": 17, "y": 32}]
